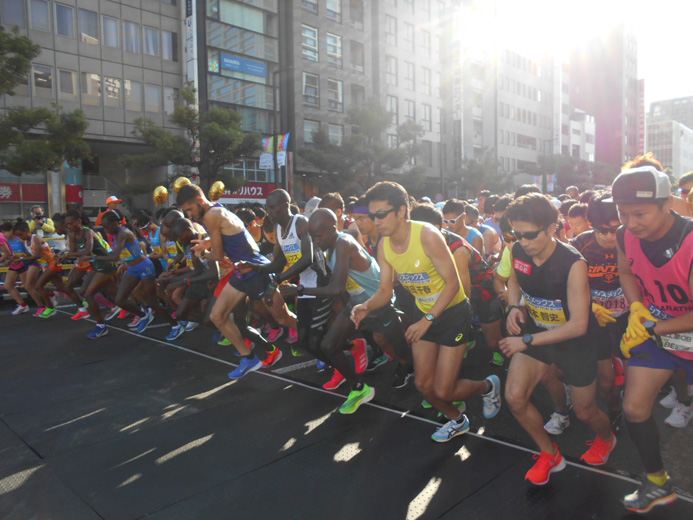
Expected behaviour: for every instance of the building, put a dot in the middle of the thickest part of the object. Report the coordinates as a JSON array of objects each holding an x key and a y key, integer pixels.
[
  {"x": 672, "y": 144},
  {"x": 115, "y": 61},
  {"x": 679, "y": 109}
]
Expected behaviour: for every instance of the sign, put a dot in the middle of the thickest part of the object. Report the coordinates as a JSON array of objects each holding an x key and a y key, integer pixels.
[
  {"x": 266, "y": 161},
  {"x": 188, "y": 8},
  {"x": 439, "y": 197},
  {"x": 251, "y": 192},
  {"x": 10, "y": 192},
  {"x": 74, "y": 194},
  {"x": 255, "y": 68},
  {"x": 282, "y": 142}
]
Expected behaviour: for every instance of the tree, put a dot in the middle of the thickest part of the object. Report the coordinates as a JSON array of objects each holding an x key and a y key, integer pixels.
[
  {"x": 571, "y": 171},
  {"x": 16, "y": 53},
  {"x": 484, "y": 173}
]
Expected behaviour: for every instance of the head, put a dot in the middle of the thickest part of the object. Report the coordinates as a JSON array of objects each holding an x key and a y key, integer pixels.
[
  {"x": 483, "y": 195},
  {"x": 168, "y": 221},
  {"x": 191, "y": 199},
  {"x": 454, "y": 216},
  {"x": 525, "y": 189},
  {"x": 685, "y": 184},
  {"x": 586, "y": 196},
  {"x": 322, "y": 227},
  {"x": 248, "y": 217},
  {"x": 471, "y": 216},
  {"x": 278, "y": 206},
  {"x": 21, "y": 229},
  {"x": 388, "y": 206},
  {"x": 113, "y": 202},
  {"x": 111, "y": 222},
  {"x": 489, "y": 204},
  {"x": 577, "y": 218},
  {"x": 59, "y": 223},
  {"x": 37, "y": 212},
  {"x": 183, "y": 231},
  {"x": 426, "y": 212},
  {"x": 363, "y": 221},
  {"x": 507, "y": 231},
  {"x": 534, "y": 220},
  {"x": 7, "y": 229},
  {"x": 74, "y": 220},
  {"x": 260, "y": 213},
  {"x": 333, "y": 201},
  {"x": 572, "y": 192},
  {"x": 311, "y": 206},
  {"x": 566, "y": 205},
  {"x": 603, "y": 216},
  {"x": 144, "y": 220},
  {"x": 501, "y": 206}
]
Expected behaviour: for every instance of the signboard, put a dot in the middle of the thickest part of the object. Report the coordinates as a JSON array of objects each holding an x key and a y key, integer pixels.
[
  {"x": 266, "y": 161},
  {"x": 10, "y": 192},
  {"x": 256, "y": 68},
  {"x": 74, "y": 194},
  {"x": 251, "y": 192},
  {"x": 439, "y": 197}
]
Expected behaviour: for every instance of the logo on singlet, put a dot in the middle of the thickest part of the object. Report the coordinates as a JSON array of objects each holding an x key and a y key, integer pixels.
[
  {"x": 522, "y": 267},
  {"x": 459, "y": 336},
  {"x": 417, "y": 263}
]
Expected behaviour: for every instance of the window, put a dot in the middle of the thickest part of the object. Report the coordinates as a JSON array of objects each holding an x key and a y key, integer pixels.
[
  {"x": 392, "y": 141},
  {"x": 111, "y": 88},
  {"x": 426, "y": 43},
  {"x": 65, "y": 20},
  {"x": 408, "y": 75},
  {"x": 151, "y": 41},
  {"x": 427, "y": 153},
  {"x": 169, "y": 2},
  {"x": 391, "y": 70},
  {"x": 409, "y": 4},
  {"x": 409, "y": 110},
  {"x": 426, "y": 118},
  {"x": 356, "y": 56},
  {"x": 335, "y": 95},
  {"x": 40, "y": 15},
  {"x": 88, "y": 26},
  {"x": 309, "y": 129},
  {"x": 391, "y": 105},
  {"x": 311, "y": 5},
  {"x": 43, "y": 81},
  {"x": 12, "y": 13},
  {"x": 408, "y": 37},
  {"x": 67, "y": 85},
  {"x": 311, "y": 90},
  {"x": 133, "y": 95},
  {"x": 426, "y": 80},
  {"x": 336, "y": 134},
  {"x": 169, "y": 45},
  {"x": 91, "y": 89},
  {"x": 334, "y": 50},
  {"x": 390, "y": 30},
  {"x": 131, "y": 37},
  {"x": 170, "y": 100},
  {"x": 111, "y": 32},
  {"x": 334, "y": 10},
  {"x": 310, "y": 43},
  {"x": 152, "y": 98}
]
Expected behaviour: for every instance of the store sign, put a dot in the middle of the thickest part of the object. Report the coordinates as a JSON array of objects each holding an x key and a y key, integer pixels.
[
  {"x": 10, "y": 192},
  {"x": 74, "y": 194},
  {"x": 251, "y": 192},
  {"x": 255, "y": 68}
]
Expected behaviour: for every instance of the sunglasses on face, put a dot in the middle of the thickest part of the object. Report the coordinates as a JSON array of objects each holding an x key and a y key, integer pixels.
[
  {"x": 509, "y": 238},
  {"x": 380, "y": 215},
  {"x": 453, "y": 221},
  {"x": 529, "y": 235},
  {"x": 605, "y": 230}
]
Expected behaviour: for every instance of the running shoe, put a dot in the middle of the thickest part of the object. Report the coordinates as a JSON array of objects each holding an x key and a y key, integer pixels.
[
  {"x": 358, "y": 351},
  {"x": 376, "y": 362},
  {"x": 49, "y": 312},
  {"x": 115, "y": 311},
  {"x": 216, "y": 336},
  {"x": 599, "y": 451},
  {"x": 425, "y": 404},
  {"x": 81, "y": 315},
  {"x": 145, "y": 321},
  {"x": 39, "y": 311},
  {"x": 402, "y": 375},
  {"x": 492, "y": 399},
  {"x": 272, "y": 358},
  {"x": 266, "y": 329},
  {"x": 134, "y": 323},
  {"x": 649, "y": 495},
  {"x": 21, "y": 309},
  {"x": 176, "y": 332},
  {"x": 672, "y": 399},
  {"x": 191, "y": 325},
  {"x": 246, "y": 365},
  {"x": 293, "y": 336},
  {"x": 336, "y": 381},
  {"x": 99, "y": 330},
  {"x": 679, "y": 416},
  {"x": 545, "y": 465},
  {"x": 619, "y": 373},
  {"x": 557, "y": 424},
  {"x": 451, "y": 429},
  {"x": 224, "y": 342},
  {"x": 497, "y": 359},
  {"x": 321, "y": 366},
  {"x": 295, "y": 352},
  {"x": 275, "y": 334},
  {"x": 54, "y": 300},
  {"x": 173, "y": 315},
  {"x": 357, "y": 398},
  {"x": 123, "y": 314}
]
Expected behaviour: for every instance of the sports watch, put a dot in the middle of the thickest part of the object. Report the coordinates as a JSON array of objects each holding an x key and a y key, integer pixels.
[
  {"x": 527, "y": 339},
  {"x": 649, "y": 327},
  {"x": 299, "y": 290},
  {"x": 430, "y": 317}
]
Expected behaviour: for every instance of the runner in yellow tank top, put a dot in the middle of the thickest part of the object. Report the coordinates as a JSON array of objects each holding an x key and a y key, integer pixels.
[{"x": 417, "y": 254}]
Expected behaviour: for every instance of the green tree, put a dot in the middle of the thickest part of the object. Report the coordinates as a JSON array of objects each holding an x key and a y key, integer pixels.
[
  {"x": 16, "y": 53},
  {"x": 483, "y": 173}
]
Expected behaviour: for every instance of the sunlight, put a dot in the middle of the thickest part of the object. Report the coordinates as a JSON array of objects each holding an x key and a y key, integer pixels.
[
  {"x": 347, "y": 452},
  {"x": 132, "y": 479},
  {"x": 134, "y": 425},
  {"x": 418, "y": 506},
  {"x": 74, "y": 420},
  {"x": 288, "y": 444},
  {"x": 187, "y": 447},
  {"x": 463, "y": 453},
  {"x": 312, "y": 425},
  {"x": 173, "y": 412},
  {"x": 134, "y": 458},
  {"x": 16, "y": 480},
  {"x": 205, "y": 395},
  {"x": 481, "y": 430}
]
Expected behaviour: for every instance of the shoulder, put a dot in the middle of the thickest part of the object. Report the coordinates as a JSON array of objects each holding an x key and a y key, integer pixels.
[{"x": 568, "y": 252}]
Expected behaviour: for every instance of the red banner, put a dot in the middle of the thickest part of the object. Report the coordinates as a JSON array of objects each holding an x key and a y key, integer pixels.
[
  {"x": 9, "y": 192},
  {"x": 253, "y": 191},
  {"x": 74, "y": 194}
]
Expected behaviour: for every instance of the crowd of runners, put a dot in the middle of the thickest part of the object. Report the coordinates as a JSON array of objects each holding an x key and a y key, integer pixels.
[{"x": 585, "y": 293}]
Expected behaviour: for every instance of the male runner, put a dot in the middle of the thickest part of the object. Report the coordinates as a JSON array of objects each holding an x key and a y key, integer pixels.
[
  {"x": 417, "y": 254},
  {"x": 454, "y": 218}
]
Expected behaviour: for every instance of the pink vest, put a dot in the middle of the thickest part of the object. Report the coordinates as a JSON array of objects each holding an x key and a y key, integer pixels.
[{"x": 666, "y": 290}]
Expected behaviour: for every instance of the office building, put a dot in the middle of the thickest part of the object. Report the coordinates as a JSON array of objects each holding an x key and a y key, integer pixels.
[
  {"x": 678, "y": 109},
  {"x": 672, "y": 145}
]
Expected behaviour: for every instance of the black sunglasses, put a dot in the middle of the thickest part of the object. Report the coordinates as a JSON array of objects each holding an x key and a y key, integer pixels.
[
  {"x": 529, "y": 235},
  {"x": 605, "y": 230},
  {"x": 380, "y": 215}
]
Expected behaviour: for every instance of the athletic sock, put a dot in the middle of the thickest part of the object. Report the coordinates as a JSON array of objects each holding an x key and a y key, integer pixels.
[
  {"x": 660, "y": 481},
  {"x": 646, "y": 439},
  {"x": 82, "y": 309},
  {"x": 460, "y": 418}
]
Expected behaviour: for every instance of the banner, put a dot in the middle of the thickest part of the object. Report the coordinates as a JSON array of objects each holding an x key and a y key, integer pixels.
[
  {"x": 9, "y": 192},
  {"x": 251, "y": 192},
  {"x": 255, "y": 68},
  {"x": 282, "y": 143},
  {"x": 266, "y": 161}
]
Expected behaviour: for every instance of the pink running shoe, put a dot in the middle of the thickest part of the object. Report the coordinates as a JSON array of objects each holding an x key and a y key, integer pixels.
[
  {"x": 360, "y": 355},
  {"x": 293, "y": 336},
  {"x": 39, "y": 311},
  {"x": 275, "y": 334}
]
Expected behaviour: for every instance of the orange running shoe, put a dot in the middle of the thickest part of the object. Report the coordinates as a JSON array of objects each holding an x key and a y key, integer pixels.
[
  {"x": 545, "y": 465},
  {"x": 599, "y": 451},
  {"x": 272, "y": 358}
]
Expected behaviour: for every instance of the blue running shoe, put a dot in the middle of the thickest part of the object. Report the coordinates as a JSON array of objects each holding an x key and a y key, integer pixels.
[
  {"x": 175, "y": 333},
  {"x": 492, "y": 399},
  {"x": 246, "y": 365},
  {"x": 321, "y": 365},
  {"x": 451, "y": 429},
  {"x": 216, "y": 336},
  {"x": 145, "y": 321},
  {"x": 99, "y": 330}
]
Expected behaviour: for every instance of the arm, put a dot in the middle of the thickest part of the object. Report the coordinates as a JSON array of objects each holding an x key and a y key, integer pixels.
[
  {"x": 213, "y": 223},
  {"x": 462, "y": 258},
  {"x": 343, "y": 251},
  {"x": 87, "y": 248},
  {"x": 629, "y": 283},
  {"x": 436, "y": 249},
  {"x": 384, "y": 293},
  {"x": 275, "y": 266},
  {"x": 122, "y": 238},
  {"x": 48, "y": 226},
  {"x": 6, "y": 252},
  {"x": 478, "y": 244},
  {"x": 34, "y": 252}
]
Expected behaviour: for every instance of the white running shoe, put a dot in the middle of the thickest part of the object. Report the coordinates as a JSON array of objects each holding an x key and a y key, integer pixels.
[
  {"x": 21, "y": 309},
  {"x": 54, "y": 300},
  {"x": 112, "y": 313},
  {"x": 558, "y": 423},
  {"x": 679, "y": 416},
  {"x": 671, "y": 400},
  {"x": 191, "y": 325}
]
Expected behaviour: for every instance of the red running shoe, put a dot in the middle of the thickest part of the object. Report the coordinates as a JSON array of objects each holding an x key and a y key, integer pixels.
[
  {"x": 545, "y": 465},
  {"x": 360, "y": 355},
  {"x": 599, "y": 451},
  {"x": 272, "y": 358},
  {"x": 619, "y": 373},
  {"x": 81, "y": 315},
  {"x": 336, "y": 381}
]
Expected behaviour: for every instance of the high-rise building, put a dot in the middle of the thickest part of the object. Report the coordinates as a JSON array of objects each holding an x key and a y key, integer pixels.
[
  {"x": 678, "y": 109},
  {"x": 672, "y": 145}
]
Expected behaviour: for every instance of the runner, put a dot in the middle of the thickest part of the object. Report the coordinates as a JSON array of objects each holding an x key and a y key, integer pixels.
[
  {"x": 33, "y": 245},
  {"x": 454, "y": 219},
  {"x": 417, "y": 254},
  {"x": 16, "y": 267}
]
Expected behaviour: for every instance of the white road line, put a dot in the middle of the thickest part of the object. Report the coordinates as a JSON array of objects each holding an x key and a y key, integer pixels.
[
  {"x": 380, "y": 407},
  {"x": 298, "y": 366}
]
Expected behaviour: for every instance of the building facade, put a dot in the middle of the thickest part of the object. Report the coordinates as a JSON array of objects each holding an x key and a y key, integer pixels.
[
  {"x": 678, "y": 109},
  {"x": 672, "y": 144}
]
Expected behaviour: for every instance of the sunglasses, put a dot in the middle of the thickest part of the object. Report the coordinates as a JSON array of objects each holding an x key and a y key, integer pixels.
[
  {"x": 605, "y": 230},
  {"x": 509, "y": 238},
  {"x": 453, "y": 221},
  {"x": 380, "y": 215},
  {"x": 529, "y": 235}
]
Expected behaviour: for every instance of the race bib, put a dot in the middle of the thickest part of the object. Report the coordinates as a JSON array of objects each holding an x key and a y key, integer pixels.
[
  {"x": 613, "y": 301},
  {"x": 419, "y": 285},
  {"x": 547, "y": 314},
  {"x": 678, "y": 342},
  {"x": 353, "y": 288},
  {"x": 157, "y": 250}
]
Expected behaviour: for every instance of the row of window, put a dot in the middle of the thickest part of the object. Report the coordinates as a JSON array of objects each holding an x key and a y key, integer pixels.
[
  {"x": 425, "y": 5},
  {"x": 69, "y": 85},
  {"x": 425, "y": 118},
  {"x": 524, "y": 141},
  {"x": 522, "y": 89},
  {"x": 409, "y": 77},
  {"x": 333, "y": 8},
  {"x": 523, "y": 116},
  {"x": 408, "y": 38},
  {"x": 515, "y": 60},
  {"x": 311, "y": 92},
  {"x": 85, "y": 26},
  {"x": 334, "y": 132},
  {"x": 310, "y": 37}
]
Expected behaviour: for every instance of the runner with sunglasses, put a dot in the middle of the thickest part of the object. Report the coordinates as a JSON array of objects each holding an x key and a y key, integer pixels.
[{"x": 454, "y": 219}]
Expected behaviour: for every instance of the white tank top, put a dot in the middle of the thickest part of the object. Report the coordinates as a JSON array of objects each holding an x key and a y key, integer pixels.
[{"x": 291, "y": 246}]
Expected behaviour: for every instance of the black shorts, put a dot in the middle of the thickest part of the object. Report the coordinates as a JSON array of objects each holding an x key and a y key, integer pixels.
[
  {"x": 488, "y": 312},
  {"x": 378, "y": 321},
  {"x": 608, "y": 339},
  {"x": 197, "y": 291},
  {"x": 19, "y": 270},
  {"x": 314, "y": 313},
  {"x": 452, "y": 328},
  {"x": 404, "y": 300},
  {"x": 104, "y": 267},
  {"x": 254, "y": 286}
]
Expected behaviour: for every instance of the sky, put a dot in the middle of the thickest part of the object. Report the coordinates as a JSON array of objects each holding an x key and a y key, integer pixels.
[{"x": 662, "y": 30}]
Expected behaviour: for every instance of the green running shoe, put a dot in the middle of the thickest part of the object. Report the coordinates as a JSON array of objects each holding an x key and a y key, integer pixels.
[
  {"x": 224, "y": 342},
  {"x": 357, "y": 398},
  {"x": 48, "y": 313},
  {"x": 295, "y": 352},
  {"x": 497, "y": 359},
  {"x": 461, "y": 406},
  {"x": 425, "y": 404}
]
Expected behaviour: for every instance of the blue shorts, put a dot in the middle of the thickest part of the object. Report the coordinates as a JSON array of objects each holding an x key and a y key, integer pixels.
[
  {"x": 649, "y": 355},
  {"x": 253, "y": 286},
  {"x": 143, "y": 270}
]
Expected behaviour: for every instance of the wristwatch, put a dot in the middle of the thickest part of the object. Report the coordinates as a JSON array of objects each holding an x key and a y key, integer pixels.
[
  {"x": 511, "y": 307},
  {"x": 299, "y": 290},
  {"x": 649, "y": 327},
  {"x": 527, "y": 339},
  {"x": 430, "y": 317}
]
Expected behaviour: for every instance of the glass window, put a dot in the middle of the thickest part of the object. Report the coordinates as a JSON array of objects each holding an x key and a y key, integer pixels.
[
  {"x": 133, "y": 95},
  {"x": 245, "y": 17},
  {"x": 334, "y": 50},
  {"x": 12, "y": 13},
  {"x": 111, "y": 32},
  {"x": 391, "y": 105},
  {"x": 409, "y": 110},
  {"x": 151, "y": 41},
  {"x": 426, "y": 43},
  {"x": 426, "y": 117},
  {"x": 310, "y": 42},
  {"x": 357, "y": 59},
  {"x": 391, "y": 70},
  {"x": 390, "y": 30},
  {"x": 40, "y": 15},
  {"x": 67, "y": 85},
  {"x": 65, "y": 20},
  {"x": 131, "y": 37},
  {"x": 426, "y": 80},
  {"x": 336, "y": 134},
  {"x": 89, "y": 26},
  {"x": 170, "y": 100},
  {"x": 43, "y": 81},
  {"x": 169, "y": 45},
  {"x": 408, "y": 37},
  {"x": 152, "y": 98},
  {"x": 310, "y": 128},
  {"x": 392, "y": 141},
  {"x": 334, "y": 10},
  {"x": 335, "y": 95},
  {"x": 408, "y": 75},
  {"x": 409, "y": 4},
  {"x": 91, "y": 89},
  {"x": 111, "y": 88},
  {"x": 311, "y": 90},
  {"x": 311, "y": 5}
]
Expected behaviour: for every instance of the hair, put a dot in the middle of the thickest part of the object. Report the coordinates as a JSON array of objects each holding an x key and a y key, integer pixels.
[
  {"x": 332, "y": 201},
  {"x": 490, "y": 202},
  {"x": 259, "y": 210},
  {"x": 643, "y": 160},
  {"x": 21, "y": 225},
  {"x": 534, "y": 208},
  {"x": 78, "y": 215},
  {"x": 350, "y": 206},
  {"x": 686, "y": 178},
  {"x": 600, "y": 212},
  {"x": 58, "y": 218},
  {"x": 7, "y": 226},
  {"x": 472, "y": 211},
  {"x": 578, "y": 210},
  {"x": 503, "y": 203},
  {"x": 484, "y": 193},
  {"x": 111, "y": 216},
  {"x": 391, "y": 192},
  {"x": 425, "y": 212},
  {"x": 525, "y": 189},
  {"x": 188, "y": 193},
  {"x": 572, "y": 188},
  {"x": 505, "y": 226},
  {"x": 586, "y": 196},
  {"x": 143, "y": 217},
  {"x": 179, "y": 226},
  {"x": 565, "y": 207},
  {"x": 361, "y": 202},
  {"x": 247, "y": 215},
  {"x": 455, "y": 206},
  {"x": 351, "y": 198},
  {"x": 268, "y": 226},
  {"x": 36, "y": 206},
  {"x": 563, "y": 197}
]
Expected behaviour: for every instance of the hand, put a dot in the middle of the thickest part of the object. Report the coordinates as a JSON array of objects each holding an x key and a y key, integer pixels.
[
  {"x": 201, "y": 245},
  {"x": 516, "y": 318},
  {"x": 288, "y": 290},
  {"x": 416, "y": 331},
  {"x": 629, "y": 342},
  {"x": 638, "y": 314},
  {"x": 358, "y": 313},
  {"x": 244, "y": 267},
  {"x": 226, "y": 264},
  {"x": 503, "y": 296},
  {"x": 604, "y": 316},
  {"x": 511, "y": 345}
]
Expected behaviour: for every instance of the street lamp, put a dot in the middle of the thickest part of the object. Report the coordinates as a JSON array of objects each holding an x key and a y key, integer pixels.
[{"x": 275, "y": 94}]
